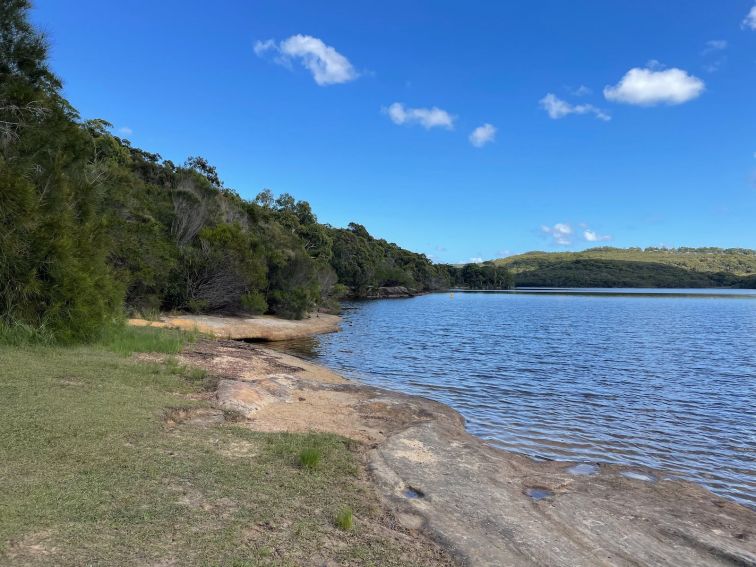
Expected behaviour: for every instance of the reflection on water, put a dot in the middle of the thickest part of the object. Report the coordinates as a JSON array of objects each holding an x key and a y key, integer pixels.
[{"x": 666, "y": 381}]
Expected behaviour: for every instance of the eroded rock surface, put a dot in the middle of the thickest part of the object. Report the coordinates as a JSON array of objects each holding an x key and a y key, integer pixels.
[
  {"x": 489, "y": 507},
  {"x": 263, "y": 327}
]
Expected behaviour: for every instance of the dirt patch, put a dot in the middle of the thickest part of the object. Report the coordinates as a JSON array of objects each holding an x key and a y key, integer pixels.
[
  {"x": 316, "y": 410},
  {"x": 31, "y": 548},
  {"x": 203, "y": 417}
]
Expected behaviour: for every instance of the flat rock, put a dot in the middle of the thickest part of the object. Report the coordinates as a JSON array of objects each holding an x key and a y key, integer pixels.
[{"x": 262, "y": 327}]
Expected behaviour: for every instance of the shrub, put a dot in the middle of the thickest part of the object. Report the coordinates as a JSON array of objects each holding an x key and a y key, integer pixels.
[{"x": 254, "y": 302}]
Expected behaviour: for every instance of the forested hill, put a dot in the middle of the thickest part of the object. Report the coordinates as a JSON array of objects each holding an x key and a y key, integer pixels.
[
  {"x": 92, "y": 228},
  {"x": 635, "y": 267}
]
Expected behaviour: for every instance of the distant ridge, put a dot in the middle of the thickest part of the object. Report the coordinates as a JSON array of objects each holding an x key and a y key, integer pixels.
[{"x": 635, "y": 267}]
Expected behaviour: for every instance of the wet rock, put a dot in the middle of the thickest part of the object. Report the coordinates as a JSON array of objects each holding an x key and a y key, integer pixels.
[
  {"x": 539, "y": 493},
  {"x": 583, "y": 469}
]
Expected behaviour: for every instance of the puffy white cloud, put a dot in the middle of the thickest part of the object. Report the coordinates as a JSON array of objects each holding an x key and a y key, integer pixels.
[
  {"x": 476, "y": 260},
  {"x": 750, "y": 19},
  {"x": 558, "y": 108},
  {"x": 328, "y": 66},
  {"x": 482, "y": 135},
  {"x": 563, "y": 234},
  {"x": 427, "y": 117},
  {"x": 560, "y": 233},
  {"x": 651, "y": 86},
  {"x": 592, "y": 236}
]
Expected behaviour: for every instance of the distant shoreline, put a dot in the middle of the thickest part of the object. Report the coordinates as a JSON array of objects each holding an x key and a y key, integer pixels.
[{"x": 737, "y": 293}]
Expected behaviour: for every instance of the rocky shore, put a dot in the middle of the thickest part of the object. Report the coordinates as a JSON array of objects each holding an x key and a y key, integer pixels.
[
  {"x": 393, "y": 292},
  {"x": 486, "y": 506}
]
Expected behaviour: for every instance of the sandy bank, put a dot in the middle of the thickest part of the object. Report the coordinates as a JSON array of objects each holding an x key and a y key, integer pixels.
[
  {"x": 262, "y": 327},
  {"x": 487, "y": 506}
]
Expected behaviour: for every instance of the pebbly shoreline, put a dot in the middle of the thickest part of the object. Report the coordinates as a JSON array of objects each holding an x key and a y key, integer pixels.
[{"x": 485, "y": 505}]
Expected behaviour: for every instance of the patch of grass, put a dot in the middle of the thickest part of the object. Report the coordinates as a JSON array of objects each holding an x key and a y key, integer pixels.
[
  {"x": 127, "y": 340},
  {"x": 90, "y": 475},
  {"x": 345, "y": 520},
  {"x": 195, "y": 374},
  {"x": 14, "y": 333},
  {"x": 309, "y": 458}
]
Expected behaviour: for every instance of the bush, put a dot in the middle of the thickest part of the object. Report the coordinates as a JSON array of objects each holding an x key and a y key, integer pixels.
[{"x": 254, "y": 302}]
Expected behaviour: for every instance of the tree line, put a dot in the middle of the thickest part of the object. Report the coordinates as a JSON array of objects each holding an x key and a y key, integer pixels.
[{"x": 92, "y": 227}]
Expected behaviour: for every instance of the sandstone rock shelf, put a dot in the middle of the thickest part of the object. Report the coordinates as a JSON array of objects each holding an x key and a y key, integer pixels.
[{"x": 262, "y": 327}]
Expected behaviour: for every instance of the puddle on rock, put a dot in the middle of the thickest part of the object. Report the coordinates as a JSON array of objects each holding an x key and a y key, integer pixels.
[
  {"x": 538, "y": 492},
  {"x": 583, "y": 469},
  {"x": 413, "y": 493},
  {"x": 637, "y": 476}
]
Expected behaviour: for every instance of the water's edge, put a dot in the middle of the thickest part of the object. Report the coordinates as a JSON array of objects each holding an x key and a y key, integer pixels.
[{"x": 358, "y": 367}]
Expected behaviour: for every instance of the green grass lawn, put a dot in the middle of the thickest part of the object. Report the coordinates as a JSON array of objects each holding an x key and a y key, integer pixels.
[{"x": 100, "y": 466}]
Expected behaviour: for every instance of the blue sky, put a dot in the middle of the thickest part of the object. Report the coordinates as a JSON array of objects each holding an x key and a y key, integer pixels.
[{"x": 629, "y": 123}]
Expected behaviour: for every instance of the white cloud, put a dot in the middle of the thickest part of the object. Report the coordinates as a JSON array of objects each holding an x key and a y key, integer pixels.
[
  {"x": 328, "y": 66},
  {"x": 563, "y": 234},
  {"x": 592, "y": 236},
  {"x": 558, "y": 108},
  {"x": 647, "y": 87},
  {"x": 715, "y": 45},
  {"x": 476, "y": 260},
  {"x": 262, "y": 47},
  {"x": 125, "y": 130},
  {"x": 582, "y": 90},
  {"x": 714, "y": 53},
  {"x": 482, "y": 135},
  {"x": 560, "y": 233},
  {"x": 427, "y": 117},
  {"x": 750, "y": 19}
]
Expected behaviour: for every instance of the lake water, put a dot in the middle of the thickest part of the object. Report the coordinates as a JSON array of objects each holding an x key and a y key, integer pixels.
[{"x": 665, "y": 379}]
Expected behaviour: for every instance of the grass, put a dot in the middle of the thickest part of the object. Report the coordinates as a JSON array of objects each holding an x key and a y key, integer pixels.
[
  {"x": 345, "y": 521},
  {"x": 127, "y": 340},
  {"x": 309, "y": 458},
  {"x": 19, "y": 334},
  {"x": 90, "y": 472}
]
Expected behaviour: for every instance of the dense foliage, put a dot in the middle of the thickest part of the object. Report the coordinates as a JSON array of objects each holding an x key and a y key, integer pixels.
[
  {"x": 91, "y": 227},
  {"x": 635, "y": 267}
]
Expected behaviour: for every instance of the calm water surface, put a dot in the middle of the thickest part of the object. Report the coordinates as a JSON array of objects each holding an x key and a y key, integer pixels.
[{"x": 665, "y": 380}]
